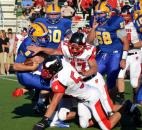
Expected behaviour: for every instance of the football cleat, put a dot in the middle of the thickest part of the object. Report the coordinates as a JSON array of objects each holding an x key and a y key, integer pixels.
[
  {"x": 18, "y": 92},
  {"x": 59, "y": 124},
  {"x": 41, "y": 125},
  {"x": 39, "y": 108}
]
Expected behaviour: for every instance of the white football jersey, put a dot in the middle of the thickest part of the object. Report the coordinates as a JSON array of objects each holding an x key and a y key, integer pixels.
[
  {"x": 132, "y": 35},
  {"x": 70, "y": 78},
  {"x": 79, "y": 62}
]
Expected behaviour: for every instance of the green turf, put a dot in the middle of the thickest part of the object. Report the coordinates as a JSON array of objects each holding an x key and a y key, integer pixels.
[{"x": 16, "y": 113}]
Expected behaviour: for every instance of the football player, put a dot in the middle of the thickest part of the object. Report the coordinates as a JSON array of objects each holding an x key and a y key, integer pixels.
[
  {"x": 82, "y": 57},
  {"x": 133, "y": 60},
  {"x": 58, "y": 27},
  {"x": 112, "y": 42},
  {"x": 37, "y": 35},
  {"x": 66, "y": 80}
]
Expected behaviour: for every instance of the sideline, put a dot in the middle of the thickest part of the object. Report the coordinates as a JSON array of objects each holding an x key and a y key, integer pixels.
[{"x": 14, "y": 80}]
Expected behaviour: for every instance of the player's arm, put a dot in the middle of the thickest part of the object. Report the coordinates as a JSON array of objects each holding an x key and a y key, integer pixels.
[
  {"x": 123, "y": 36},
  {"x": 58, "y": 90},
  {"x": 30, "y": 64},
  {"x": 93, "y": 68},
  {"x": 92, "y": 35},
  {"x": 138, "y": 44},
  {"x": 92, "y": 64},
  {"x": 55, "y": 101},
  {"x": 23, "y": 67},
  {"x": 49, "y": 51}
]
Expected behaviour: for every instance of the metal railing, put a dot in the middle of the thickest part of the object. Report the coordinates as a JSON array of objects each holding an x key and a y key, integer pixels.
[{"x": 16, "y": 25}]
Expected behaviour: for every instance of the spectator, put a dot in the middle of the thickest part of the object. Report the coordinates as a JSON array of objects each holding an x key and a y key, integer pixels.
[
  {"x": 5, "y": 46},
  {"x": 19, "y": 38},
  {"x": 41, "y": 3},
  {"x": 27, "y": 3},
  {"x": 1, "y": 55},
  {"x": 67, "y": 11},
  {"x": 86, "y": 7},
  {"x": 11, "y": 47},
  {"x": 23, "y": 16}
]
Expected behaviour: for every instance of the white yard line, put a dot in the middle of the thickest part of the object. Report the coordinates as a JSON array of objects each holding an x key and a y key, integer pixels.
[{"x": 8, "y": 79}]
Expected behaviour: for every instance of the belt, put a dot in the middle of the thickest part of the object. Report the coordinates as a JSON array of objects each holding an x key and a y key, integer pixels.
[
  {"x": 129, "y": 54},
  {"x": 89, "y": 77}
]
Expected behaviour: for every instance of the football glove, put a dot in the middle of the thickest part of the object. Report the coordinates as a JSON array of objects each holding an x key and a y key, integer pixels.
[
  {"x": 18, "y": 92},
  {"x": 41, "y": 125}
]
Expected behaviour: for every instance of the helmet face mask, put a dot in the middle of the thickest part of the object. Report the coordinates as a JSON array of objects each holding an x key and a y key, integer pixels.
[
  {"x": 102, "y": 12},
  {"x": 101, "y": 17},
  {"x": 77, "y": 44},
  {"x": 126, "y": 13},
  {"x": 76, "y": 49},
  {"x": 51, "y": 66},
  {"x": 38, "y": 33},
  {"x": 53, "y": 14}
]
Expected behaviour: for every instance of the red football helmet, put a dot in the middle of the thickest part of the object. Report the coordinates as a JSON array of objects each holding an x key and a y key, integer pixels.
[{"x": 77, "y": 44}]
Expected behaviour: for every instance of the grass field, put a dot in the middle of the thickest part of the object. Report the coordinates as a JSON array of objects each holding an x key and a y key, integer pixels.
[{"x": 16, "y": 113}]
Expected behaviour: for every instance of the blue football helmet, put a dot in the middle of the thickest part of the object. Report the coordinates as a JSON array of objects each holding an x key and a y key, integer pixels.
[
  {"x": 53, "y": 14},
  {"x": 102, "y": 12}
]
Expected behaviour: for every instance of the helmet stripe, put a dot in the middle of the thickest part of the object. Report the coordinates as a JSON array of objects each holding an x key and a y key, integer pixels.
[
  {"x": 41, "y": 27},
  {"x": 99, "y": 5},
  {"x": 53, "y": 7}
]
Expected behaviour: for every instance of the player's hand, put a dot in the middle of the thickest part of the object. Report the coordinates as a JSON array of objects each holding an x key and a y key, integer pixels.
[
  {"x": 34, "y": 48},
  {"x": 41, "y": 125},
  {"x": 95, "y": 24},
  {"x": 123, "y": 63},
  {"x": 38, "y": 59}
]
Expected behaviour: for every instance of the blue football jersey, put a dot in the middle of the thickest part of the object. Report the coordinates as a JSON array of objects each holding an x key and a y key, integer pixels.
[
  {"x": 107, "y": 34},
  {"x": 57, "y": 31}
]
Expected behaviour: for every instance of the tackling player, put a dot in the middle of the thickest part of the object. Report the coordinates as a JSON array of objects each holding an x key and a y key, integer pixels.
[
  {"x": 82, "y": 57},
  {"x": 66, "y": 80}
]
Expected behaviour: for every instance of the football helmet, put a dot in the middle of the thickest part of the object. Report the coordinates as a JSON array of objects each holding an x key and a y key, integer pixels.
[
  {"x": 38, "y": 33},
  {"x": 51, "y": 66},
  {"x": 53, "y": 13},
  {"x": 126, "y": 13},
  {"x": 102, "y": 12},
  {"x": 77, "y": 44},
  {"x": 137, "y": 9}
]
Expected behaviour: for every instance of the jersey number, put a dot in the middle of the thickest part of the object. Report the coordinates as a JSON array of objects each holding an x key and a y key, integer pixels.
[
  {"x": 104, "y": 38},
  {"x": 55, "y": 35},
  {"x": 76, "y": 79}
]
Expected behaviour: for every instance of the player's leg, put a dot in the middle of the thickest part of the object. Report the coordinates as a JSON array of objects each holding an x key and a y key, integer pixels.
[
  {"x": 101, "y": 60},
  {"x": 104, "y": 122},
  {"x": 135, "y": 71},
  {"x": 113, "y": 68},
  {"x": 99, "y": 83},
  {"x": 121, "y": 84},
  {"x": 67, "y": 108},
  {"x": 84, "y": 115},
  {"x": 139, "y": 95},
  {"x": 30, "y": 80}
]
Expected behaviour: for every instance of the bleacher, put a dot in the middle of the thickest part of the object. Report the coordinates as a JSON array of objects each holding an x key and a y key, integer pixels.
[{"x": 8, "y": 19}]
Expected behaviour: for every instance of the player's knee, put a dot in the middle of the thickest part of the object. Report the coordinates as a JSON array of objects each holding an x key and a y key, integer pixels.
[
  {"x": 106, "y": 124},
  {"x": 84, "y": 123},
  {"x": 134, "y": 82},
  {"x": 63, "y": 113}
]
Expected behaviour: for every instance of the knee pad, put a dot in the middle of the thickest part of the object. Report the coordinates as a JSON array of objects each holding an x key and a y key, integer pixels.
[
  {"x": 63, "y": 113},
  {"x": 134, "y": 82},
  {"x": 84, "y": 123}
]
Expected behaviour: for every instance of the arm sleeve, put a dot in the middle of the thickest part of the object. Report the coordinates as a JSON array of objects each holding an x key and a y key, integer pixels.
[
  {"x": 121, "y": 33},
  {"x": 57, "y": 87},
  {"x": 68, "y": 27}
]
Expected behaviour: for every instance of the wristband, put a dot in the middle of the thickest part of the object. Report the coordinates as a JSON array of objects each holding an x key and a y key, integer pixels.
[{"x": 124, "y": 55}]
